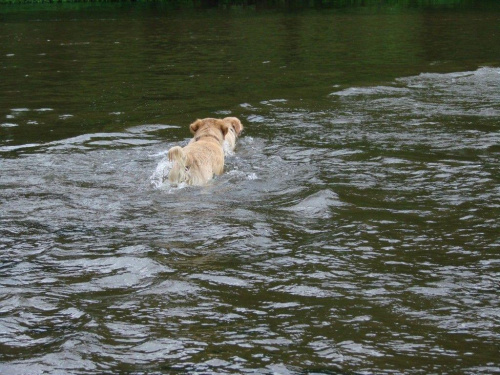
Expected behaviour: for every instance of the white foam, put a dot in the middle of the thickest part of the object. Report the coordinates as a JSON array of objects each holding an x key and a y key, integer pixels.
[
  {"x": 273, "y": 101},
  {"x": 18, "y": 147},
  {"x": 158, "y": 154},
  {"x": 146, "y": 128},
  {"x": 256, "y": 118},
  {"x": 159, "y": 177},
  {"x": 317, "y": 204},
  {"x": 377, "y": 90},
  {"x": 252, "y": 176},
  {"x": 227, "y": 149},
  {"x": 223, "y": 112}
]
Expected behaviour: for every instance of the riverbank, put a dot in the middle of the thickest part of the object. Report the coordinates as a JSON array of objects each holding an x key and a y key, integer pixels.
[{"x": 387, "y": 4}]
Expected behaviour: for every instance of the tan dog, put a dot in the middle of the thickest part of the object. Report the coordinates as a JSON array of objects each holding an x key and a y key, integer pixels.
[
  {"x": 203, "y": 157},
  {"x": 235, "y": 129}
]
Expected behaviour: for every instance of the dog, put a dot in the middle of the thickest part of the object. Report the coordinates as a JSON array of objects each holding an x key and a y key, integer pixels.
[{"x": 203, "y": 157}]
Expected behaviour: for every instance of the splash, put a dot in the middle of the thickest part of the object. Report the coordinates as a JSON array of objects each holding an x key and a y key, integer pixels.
[{"x": 159, "y": 178}]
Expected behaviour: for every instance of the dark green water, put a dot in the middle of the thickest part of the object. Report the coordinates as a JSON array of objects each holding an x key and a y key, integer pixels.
[{"x": 355, "y": 229}]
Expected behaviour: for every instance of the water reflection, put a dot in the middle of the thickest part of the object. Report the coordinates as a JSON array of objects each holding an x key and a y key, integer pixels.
[{"x": 144, "y": 65}]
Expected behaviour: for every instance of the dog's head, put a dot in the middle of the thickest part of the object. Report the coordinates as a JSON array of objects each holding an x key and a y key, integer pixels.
[
  {"x": 209, "y": 126},
  {"x": 234, "y": 123}
]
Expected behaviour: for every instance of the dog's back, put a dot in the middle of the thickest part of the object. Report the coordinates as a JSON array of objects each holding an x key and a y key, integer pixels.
[{"x": 203, "y": 157}]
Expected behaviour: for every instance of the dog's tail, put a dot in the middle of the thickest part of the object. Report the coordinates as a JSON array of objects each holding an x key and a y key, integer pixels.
[{"x": 178, "y": 172}]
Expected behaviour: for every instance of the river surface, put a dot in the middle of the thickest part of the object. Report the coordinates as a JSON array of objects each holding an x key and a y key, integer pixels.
[{"x": 355, "y": 229}]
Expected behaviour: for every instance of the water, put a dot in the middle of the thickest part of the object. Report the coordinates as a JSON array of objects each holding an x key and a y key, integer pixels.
[{"x": 354, "y": 231}]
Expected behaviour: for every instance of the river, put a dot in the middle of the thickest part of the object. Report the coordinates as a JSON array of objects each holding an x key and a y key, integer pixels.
[{"x": 355, "y": 229}]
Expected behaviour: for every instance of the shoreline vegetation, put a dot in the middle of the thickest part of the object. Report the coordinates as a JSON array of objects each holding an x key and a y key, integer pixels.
[{"x": 275, "y": 3}]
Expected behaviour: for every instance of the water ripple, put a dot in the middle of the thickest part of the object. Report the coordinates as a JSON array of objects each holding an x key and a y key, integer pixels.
[{"x": 346, "y": 239}]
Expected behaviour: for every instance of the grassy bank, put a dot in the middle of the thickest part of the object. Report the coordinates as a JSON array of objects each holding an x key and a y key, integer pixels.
[{"x": 305, "y": 3}]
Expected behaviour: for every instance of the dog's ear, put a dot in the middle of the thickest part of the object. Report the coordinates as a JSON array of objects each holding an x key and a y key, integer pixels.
[
  {"x": 235, "y": 123},
  {"x": 193, "y": 128}
]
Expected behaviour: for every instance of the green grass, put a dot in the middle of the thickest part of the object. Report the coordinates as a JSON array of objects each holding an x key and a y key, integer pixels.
[
  {"x": 338, "y": 3},
  {"x": 294, "y": 4}
]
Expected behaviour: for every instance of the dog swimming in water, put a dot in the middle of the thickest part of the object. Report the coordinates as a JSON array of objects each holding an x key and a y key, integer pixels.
[{"x": 203, "y": 157}]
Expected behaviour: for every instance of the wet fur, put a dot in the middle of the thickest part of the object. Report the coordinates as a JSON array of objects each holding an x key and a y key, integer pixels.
[
  {"x": 203, "y": 157},
  {"x": 235, "y": 129}
]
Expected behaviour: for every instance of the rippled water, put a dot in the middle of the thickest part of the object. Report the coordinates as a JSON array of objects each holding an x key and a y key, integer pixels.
[{"x": 357, "y": 237}]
